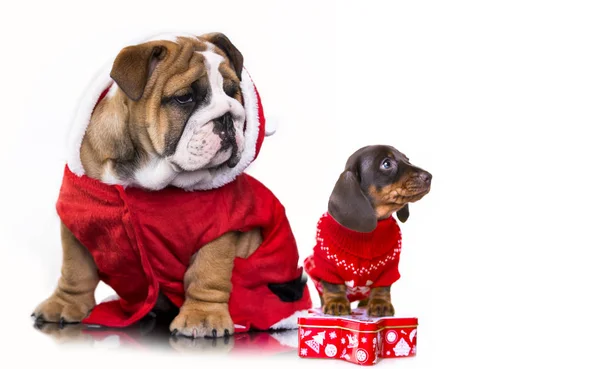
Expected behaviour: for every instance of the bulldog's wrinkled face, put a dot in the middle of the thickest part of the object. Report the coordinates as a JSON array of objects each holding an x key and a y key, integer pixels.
[{"x": 183, "y": 100}]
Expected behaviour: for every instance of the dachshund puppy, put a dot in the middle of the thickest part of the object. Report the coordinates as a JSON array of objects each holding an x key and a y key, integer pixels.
[{"x": 357, "y": 254}]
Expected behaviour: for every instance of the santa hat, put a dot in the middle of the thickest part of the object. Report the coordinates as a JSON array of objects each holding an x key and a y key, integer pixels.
[{"x": 255, "y": 128}]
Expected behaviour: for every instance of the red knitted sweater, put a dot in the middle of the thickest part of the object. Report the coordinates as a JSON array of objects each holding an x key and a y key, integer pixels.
[{"x": 358, "y": 260}]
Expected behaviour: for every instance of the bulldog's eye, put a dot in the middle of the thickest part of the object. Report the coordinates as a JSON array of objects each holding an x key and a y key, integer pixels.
[
  {"x": 386, "y": 164},
  {"x": 184, "y": 99}
]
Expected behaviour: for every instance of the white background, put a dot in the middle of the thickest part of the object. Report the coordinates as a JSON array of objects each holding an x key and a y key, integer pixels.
[{"x": 498, "y": 100}]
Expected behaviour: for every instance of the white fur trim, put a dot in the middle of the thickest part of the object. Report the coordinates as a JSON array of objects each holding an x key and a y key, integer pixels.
[
  {"x": 82, "y": 117},
  {"x": 156, "y": 174},
  {"x": 110, "y": 298},
  {"x": 291, "y": 322}
]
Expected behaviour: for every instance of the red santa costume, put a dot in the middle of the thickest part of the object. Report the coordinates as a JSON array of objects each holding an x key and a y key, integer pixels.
[
  {"x": 361, "y": 261},
  {"x": 142, "y": 241}
]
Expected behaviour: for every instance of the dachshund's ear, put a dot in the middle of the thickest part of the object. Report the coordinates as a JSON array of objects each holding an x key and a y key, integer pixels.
[
  {"x": 349, "y": 206},
  {"x": 402, "y": 214}
]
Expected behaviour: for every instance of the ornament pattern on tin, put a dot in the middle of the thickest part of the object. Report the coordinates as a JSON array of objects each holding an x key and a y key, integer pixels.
[
  {"x": 361, "y": 355},
  {"x": 391, "y": 336},
  {"x": 330, "y": 350}
]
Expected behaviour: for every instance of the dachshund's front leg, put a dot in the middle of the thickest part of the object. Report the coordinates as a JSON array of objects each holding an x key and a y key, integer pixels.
[
  {"x": 334, "y": 299},
  {"x": 380, "y": 302}
]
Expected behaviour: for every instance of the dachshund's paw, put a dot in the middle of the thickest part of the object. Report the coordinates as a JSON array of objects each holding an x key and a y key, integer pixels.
[
  {"x": 337, "y": 306},
  {"x": 68, "y": 309},
  {"x": 380, "y": 307},
  {"x": 202, "y": 319}
]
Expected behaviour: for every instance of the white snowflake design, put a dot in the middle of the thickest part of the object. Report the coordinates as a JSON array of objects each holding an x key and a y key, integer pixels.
[
  {"x": 332, "y": 335},
  {"x": 363, "y": 340},
  {"x": 343, "y": 341},
  {"x": 303, "y": 351}
]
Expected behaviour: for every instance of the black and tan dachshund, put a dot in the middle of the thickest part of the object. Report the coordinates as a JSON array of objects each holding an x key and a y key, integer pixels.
[{"x": 358, "y": 240}]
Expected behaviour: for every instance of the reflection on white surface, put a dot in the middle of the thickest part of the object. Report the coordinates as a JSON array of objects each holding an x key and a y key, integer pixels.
[{"x": 153, "y": 334}]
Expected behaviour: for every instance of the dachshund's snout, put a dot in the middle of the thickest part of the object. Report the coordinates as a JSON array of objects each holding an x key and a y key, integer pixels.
[{"x": 425, "y": 177}]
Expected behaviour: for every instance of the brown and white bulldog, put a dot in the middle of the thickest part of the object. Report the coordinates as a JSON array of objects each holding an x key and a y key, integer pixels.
[{"x": 179, "y": 112}]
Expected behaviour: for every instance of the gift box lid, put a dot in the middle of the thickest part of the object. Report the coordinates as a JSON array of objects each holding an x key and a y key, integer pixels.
[{"x": 358, "y": 320}]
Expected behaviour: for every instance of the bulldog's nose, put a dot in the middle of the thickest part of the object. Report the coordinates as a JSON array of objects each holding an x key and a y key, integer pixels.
[
  {"x": 224, "y": 126},
  {"x": 225, "y": 122}
]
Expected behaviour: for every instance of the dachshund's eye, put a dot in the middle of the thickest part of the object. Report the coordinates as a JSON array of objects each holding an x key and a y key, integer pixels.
[
  {"x": 184, "y": 99},
  {"x": 386, "y": 164}
]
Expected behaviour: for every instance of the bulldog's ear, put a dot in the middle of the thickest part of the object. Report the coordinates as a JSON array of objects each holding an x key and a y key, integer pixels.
[
  {"x": 133, "y": 67},
  {"x": 233, "y": 54},
  {"x": 349, "y": 206},
  {"x": 403, "y": 214}
]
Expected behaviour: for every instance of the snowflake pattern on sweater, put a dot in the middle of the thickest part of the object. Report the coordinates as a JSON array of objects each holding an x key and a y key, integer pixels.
[{"x": 358, "y": 260}]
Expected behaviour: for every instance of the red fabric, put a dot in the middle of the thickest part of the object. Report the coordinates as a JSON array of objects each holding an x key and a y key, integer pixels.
[
  {"x": 361, "y": 261},
  {"x": 142, "y": 242}
]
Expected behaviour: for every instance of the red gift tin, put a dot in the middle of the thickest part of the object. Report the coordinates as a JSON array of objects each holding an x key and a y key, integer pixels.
[{"x": 357, "y": 338}]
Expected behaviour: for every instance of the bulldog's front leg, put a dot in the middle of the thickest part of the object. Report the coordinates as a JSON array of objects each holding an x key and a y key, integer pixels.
[
  {"x": 207, "y": 283},
  {"x": 74, "y": 296}
]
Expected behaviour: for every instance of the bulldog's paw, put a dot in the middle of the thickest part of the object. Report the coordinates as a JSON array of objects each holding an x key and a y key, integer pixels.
[
  {"x": 337, "y": 306},
  {"x": 380, "y": 307},
  {"x": 69, "y": 309},
  {"x": 202, "y": 319}
]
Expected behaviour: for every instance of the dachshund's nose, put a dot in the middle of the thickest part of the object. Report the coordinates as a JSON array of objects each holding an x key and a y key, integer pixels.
[{"x": 425, "y": 177}]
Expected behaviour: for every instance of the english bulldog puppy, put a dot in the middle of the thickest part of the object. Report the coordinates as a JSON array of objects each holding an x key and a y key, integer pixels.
[{"x": 154, "y": 201}]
